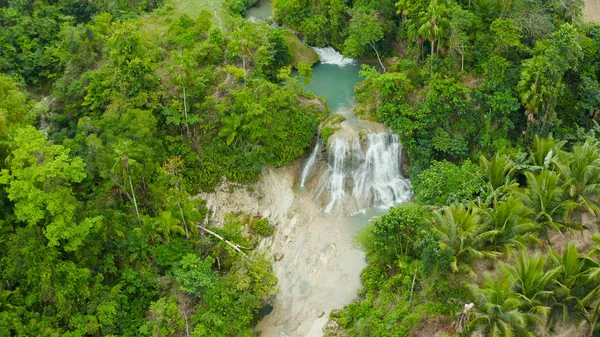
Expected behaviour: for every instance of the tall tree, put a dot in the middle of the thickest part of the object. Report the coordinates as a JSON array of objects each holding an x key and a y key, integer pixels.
[
  {"x": 40, "y": 182},
  {"x": 365, "y": 30},
  {"x": 243, "y": 43},
  {"x": 433, "y": 24},
  {"x": 123, "y": 166},
  {"x": 542, "y": 83}
]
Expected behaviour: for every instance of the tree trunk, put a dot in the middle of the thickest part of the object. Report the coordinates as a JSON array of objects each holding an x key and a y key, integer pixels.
[
  {"x": 378, "y": 58},
  {"x": 187, "y": 236},
  {"x": 187, "y": 126},
  {"x": 462, "y": 61},
  {"x": 137, "y": 212},
  {"x": 244, "y": 64},
  {"x": 432, "y": 51},
  {"x": 412, "y": 288},
  {"x": 187, "y": 326},
  {"x": 232, "y": 245}
]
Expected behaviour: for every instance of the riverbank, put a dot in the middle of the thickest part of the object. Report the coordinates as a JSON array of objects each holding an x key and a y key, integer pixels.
[{"x": 317, "y": 264}]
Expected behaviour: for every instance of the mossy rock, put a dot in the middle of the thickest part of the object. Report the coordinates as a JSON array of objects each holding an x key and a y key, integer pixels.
[
  {"x": 262, "y": 227},
  {"x": 330, "y": 126},
  {"x": 299, "y": 50}
]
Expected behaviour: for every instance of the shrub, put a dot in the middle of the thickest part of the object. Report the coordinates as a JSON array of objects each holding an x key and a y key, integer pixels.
[
  {"x": 444, "y": 183},
  {"x": 262, "y": 227},
  {"x": 395, "y": 233}
]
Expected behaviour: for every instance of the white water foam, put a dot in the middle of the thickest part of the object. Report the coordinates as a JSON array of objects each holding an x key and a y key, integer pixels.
[
  {"x": 310, "y": 163},
  {"x": 357, "y": 179},
  {"x": 329, "y": 55}
]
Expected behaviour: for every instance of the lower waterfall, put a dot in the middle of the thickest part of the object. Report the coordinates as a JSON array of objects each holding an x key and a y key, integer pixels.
[
  {"x": 310, "y": 163},
  {"x": 360, "y": 173}
]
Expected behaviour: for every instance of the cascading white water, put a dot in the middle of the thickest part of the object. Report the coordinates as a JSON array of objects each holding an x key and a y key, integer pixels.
[
  {"x": 338, "y": 152},
  {"x": 329, "y": 55},
  {"x": 358, "y": 179},
  {"x": 379, "y": 180},
  {"x": 310, "y": 163}
]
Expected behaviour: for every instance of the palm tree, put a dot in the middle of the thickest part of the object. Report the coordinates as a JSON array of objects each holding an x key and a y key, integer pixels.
[
  {"x": 499, "y": 172},
  {"x": 433, "y": 24},
  {"x": 544, "y": 150},
  {"x": 412, "y": 34},
  {"x": 112, "y": 229},
  {"x": 547, "y": 199},
  {"x": 532, "y": 284},
  {"x": 149, "y": 229},
  {"x": 569, "y": 286},
  {"x": 497, "y": 311},
  {"x": 243, "y": 42},
  {"x": 592, "y": 299},
  {"x": 168, "y": 224},
  {"x": 539, "y": 88},
  {"x": 124, "y": 164},
  {"x": 232, "y": 128},
  {"x": 581, "y": 168},
  {"x": 461, "y": 230},
  {"x": 512, "y": 224},
  {"x": 183, "y": 79}
]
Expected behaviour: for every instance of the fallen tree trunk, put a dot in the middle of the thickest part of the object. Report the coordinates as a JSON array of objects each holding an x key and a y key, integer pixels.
[{"x": 232, "y": 245}]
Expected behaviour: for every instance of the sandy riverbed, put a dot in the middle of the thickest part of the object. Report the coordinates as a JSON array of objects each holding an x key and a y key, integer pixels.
[
  {"x": 320, "y": 269},
  {"x": 591, "y": 11}
]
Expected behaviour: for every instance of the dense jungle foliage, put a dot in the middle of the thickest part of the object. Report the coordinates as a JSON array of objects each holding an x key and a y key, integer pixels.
[{"x": 116, "y": 114}]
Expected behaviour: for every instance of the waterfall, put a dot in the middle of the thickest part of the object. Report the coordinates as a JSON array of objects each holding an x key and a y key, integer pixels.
[
  {"x": 379, "y": 180},
  {"x": 359, "y": 177},
  {"x": 310, "y": 163},
  {"x": 337, "y": 155},
  {"x": 329, "y": 55}
]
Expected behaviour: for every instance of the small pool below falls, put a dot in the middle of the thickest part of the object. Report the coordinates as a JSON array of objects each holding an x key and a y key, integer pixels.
[{"x": 262, "y": 11}]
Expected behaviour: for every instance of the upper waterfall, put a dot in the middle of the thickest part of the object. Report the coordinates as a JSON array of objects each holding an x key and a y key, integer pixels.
[{"x": 329, "y": 55}]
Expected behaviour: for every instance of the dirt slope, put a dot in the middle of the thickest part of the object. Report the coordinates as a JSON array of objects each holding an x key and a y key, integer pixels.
[{"x": 591, "y": 11}]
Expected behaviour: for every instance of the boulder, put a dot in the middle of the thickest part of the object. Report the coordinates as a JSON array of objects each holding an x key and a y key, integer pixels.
[
  {"x": 299, "y": 50},
  {"x": 278, "y": 257}
]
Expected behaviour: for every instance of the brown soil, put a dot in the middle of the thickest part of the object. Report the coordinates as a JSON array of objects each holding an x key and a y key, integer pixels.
[
  {"x": 434, "y": 327},
  {"x": 581, "y": 239},
  {"x": 591, "y": 11}
]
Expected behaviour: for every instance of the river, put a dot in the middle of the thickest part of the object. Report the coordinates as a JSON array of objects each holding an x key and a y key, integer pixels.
[{"x": 353, "y": 178}]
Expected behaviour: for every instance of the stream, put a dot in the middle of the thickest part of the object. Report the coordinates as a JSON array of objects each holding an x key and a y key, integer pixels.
[{"x": 319, "y": 204}]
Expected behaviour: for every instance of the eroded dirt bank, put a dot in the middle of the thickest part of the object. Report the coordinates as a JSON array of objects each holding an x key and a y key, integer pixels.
[
  {"x": 591, "y": 11},
  {"x": 320, "y": 268}
]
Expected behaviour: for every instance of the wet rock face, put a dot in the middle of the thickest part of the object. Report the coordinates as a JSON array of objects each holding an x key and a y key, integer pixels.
[
  {"x": 299, "y": 50},
  {"x": 405, "y": 162}
]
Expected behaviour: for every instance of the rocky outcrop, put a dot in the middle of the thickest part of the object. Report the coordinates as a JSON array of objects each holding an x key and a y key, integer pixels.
[{"x": 300, "y": 51}]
